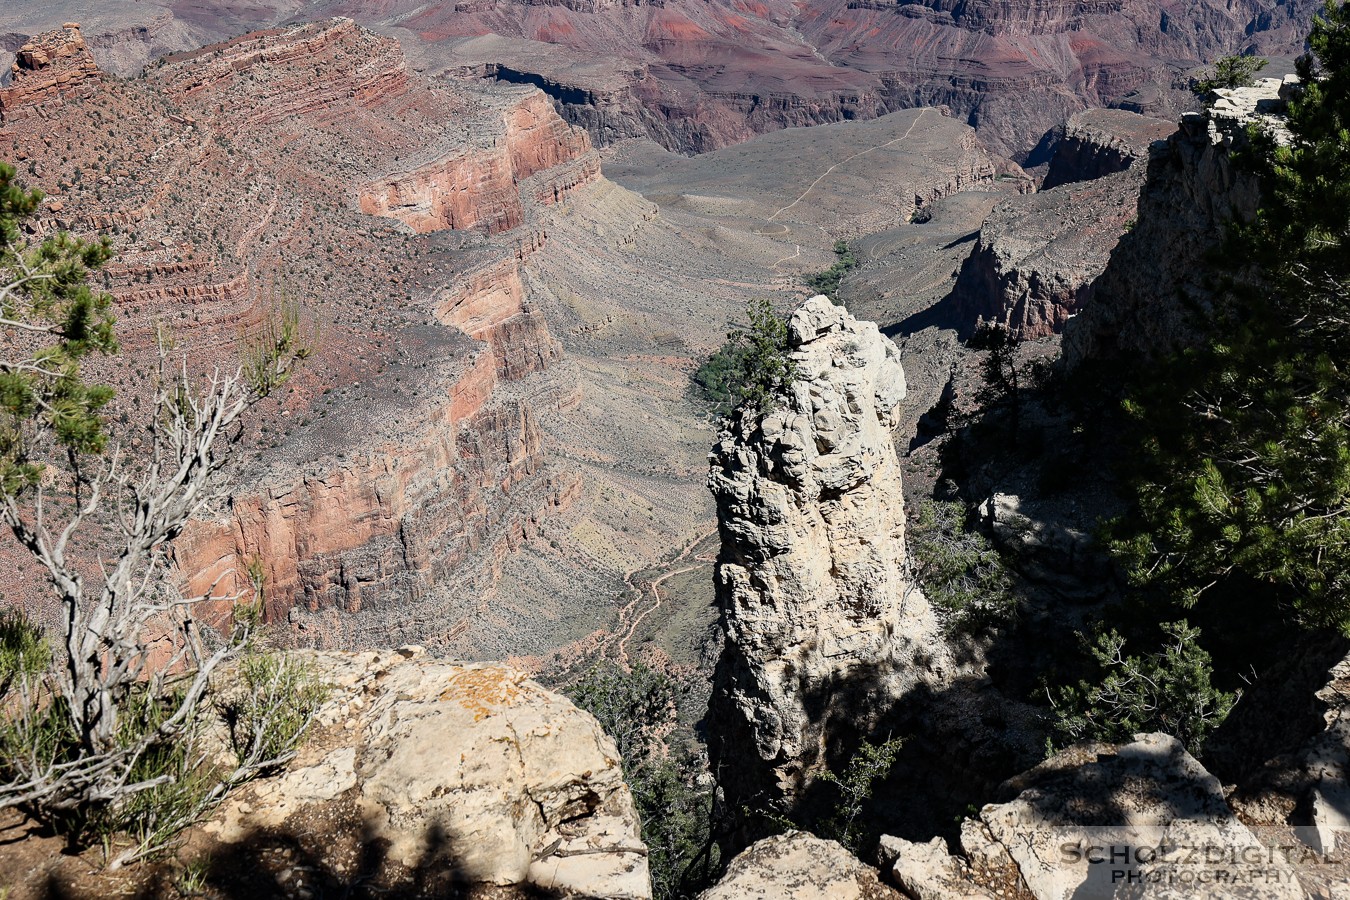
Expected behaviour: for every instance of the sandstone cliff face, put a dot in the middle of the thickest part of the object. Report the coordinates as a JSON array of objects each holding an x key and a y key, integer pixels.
[
  {"x": 695, "y": 76},
  {"x": 425, "y": 777},
  {"x": 821, "y": 619},
  {"x": 483, "y": 187},
  {"x": 1156, "y": 277},
  {"x": 50, "y": 67}
]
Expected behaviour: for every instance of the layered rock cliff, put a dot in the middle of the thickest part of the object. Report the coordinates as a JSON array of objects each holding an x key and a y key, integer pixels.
[
  {"x": 409, "y": 446},
  {"x": 1037, "y": 256},
  {"x": 696, "y": 76},
  {"x": 825, "y": 630},
  {"x": 482, "y": 187},
  {"x": 1100, "y": 142},
  {"x": 1158, "y": 275},
  {"x": 52, "y": 66}
]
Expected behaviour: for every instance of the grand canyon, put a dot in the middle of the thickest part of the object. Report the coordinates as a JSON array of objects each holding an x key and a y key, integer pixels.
[{"x": 511, "y": 234}]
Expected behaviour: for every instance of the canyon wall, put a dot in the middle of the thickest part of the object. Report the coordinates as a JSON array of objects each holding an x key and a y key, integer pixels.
[
  {"x": 480, "y": 187},
  {"x": 824, "y": 629},
  {"x": 695, "y": 76},
  {"x": 1037, "y": 256},
  {"x": 380, "y": 491},
  {"x": 1156, "y": 278}
]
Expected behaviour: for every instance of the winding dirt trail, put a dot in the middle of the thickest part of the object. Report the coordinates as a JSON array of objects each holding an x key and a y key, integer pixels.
[{"x": 621, "y": 649}]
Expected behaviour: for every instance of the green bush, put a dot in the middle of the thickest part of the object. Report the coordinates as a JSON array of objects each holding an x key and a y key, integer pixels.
[
  {"x": 1230, "y": 72},
  {"x": 959, "y": 571},
  {"x": 828, "y": 282},
  {"x": 636, "y": 708},
  {"x": 1168, "y": 690},
  {"x": 753, "y": 369},
  {"x": 272, "y": 707},
  {"x": 870, "y": 764},
  {"x": 24, "y": 651}
]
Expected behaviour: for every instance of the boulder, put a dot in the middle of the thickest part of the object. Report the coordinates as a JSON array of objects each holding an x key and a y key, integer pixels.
[
  {"x": 1098, "y": 818},
  {"x": 798, "y": 866},
  {"x": 456, "y": 774},
  {"x": 928, "y": 871}
]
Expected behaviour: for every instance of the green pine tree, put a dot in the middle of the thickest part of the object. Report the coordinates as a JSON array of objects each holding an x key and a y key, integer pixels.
[{"x": 1244, "y": 443}]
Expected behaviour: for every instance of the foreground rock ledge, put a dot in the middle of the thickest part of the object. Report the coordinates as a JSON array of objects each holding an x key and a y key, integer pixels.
[
  {"x": 449, "y": 775},
  {"x": 1149, "y": 801},
  {"x": 799, "y": 866}
]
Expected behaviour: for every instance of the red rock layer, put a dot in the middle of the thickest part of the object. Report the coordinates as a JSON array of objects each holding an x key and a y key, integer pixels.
[
  {"x": 480, "y": 188},
  {"x": 489, "y": 305},
  {"x": 52, "y": 66},
  {"x": 395, "y": 466},
  {"x": 353, "y": 536}
]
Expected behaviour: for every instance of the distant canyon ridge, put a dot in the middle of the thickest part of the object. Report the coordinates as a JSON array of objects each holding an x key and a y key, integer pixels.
[{"x": 697, "y": 75}]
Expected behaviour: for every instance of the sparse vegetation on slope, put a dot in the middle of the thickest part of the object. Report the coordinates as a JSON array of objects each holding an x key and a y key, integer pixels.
[
  {"x": 98, "y": 737},
  {"x": 958, "y": 569}
]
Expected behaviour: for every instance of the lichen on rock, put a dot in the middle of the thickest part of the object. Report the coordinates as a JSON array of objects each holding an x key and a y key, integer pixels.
[{"x": 458, "y": 774}]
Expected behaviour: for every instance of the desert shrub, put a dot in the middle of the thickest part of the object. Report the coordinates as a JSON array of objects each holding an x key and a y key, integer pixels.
[
  {"x": 272, "y": 706},
  {"x": 828, "y": 282},
  {"x": 97, "y": 740},
  {"x": 718, "y": 380},
  {"x": 958, "y": 569},
  {"x": 855, "y": 784},
  {"x": 1168, "y": 690},
  {"x": 753, "y": 369},
  {"x": 24, "y": 651}
]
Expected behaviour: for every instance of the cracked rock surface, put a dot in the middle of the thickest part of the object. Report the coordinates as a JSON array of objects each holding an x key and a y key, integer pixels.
[{"x": 467, "y": 774}]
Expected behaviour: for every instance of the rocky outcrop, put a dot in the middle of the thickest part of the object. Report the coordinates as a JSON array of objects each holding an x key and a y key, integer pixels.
[
  {"x": 54, "y": 65},
  {"x": 1159, "y": 275},
  {"x": 798, "y": 866},
  {"x": 1038, "y": 255},
  {"x": 1099, "y": 142},
  {"x": 373, "y": 70},
  {"x": 482, "y": 187},
  {"x": 423, "y": 776},
  {"x": 824, "y": 627},
  {"x": 1149, "y": 802}
]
